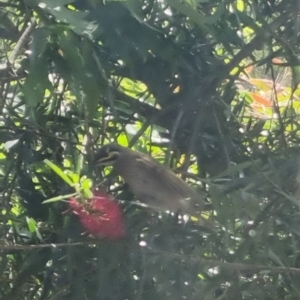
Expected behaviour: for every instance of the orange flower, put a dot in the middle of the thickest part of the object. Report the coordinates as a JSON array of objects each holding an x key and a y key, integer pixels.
[{"x": 100, "y": 216}]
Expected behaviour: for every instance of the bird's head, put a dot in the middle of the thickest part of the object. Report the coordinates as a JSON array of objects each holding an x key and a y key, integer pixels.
[{"x": 108, "y": 155}]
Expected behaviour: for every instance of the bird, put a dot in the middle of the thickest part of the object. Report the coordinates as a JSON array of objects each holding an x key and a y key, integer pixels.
[{"x": 151, "y": 182}]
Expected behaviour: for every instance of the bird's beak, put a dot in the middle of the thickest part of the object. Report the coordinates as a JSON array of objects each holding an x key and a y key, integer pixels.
[{"x": 107, "y": 160}]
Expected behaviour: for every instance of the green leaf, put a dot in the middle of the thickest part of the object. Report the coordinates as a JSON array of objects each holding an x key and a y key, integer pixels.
[
  {"x": 59, "y": 172},
  {"x": 73, "y": 176},
  {"x": 37, "y": 81},
  {"x": 87, "y": 194},
  {"x": 59, "y": 198},
  {"x": 72, "y": 17},
  {"x": 32, "y": 226},
  {"x": 192, "y": 14},
  {"x": 86, "y": 183}
]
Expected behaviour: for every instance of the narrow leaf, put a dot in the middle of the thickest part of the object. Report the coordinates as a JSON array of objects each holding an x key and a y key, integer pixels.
[
  {"x": 59, "y": 172},
  {"x": 59, "y": 198}
]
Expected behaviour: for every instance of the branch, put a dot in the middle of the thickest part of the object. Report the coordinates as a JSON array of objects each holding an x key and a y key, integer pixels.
[
  {"x": 228, "y": 265},
  {"x": 191, "y": 258}
]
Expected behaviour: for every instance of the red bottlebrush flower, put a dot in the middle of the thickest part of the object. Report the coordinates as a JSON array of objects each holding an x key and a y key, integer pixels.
[
  {"x": 75, "y": 205},
  {"x": 100, "y": 216}
]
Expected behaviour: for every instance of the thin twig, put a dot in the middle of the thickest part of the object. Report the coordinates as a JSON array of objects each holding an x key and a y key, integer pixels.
[
  {"x": 40, "y": 246},
  {"x": 21, "y": 42}
]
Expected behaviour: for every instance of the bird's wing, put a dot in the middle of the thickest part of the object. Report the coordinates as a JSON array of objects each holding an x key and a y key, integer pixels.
[{"x": 165, "y": 178}]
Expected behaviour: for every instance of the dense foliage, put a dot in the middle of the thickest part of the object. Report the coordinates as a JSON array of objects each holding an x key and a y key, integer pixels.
[{"x": 206, "y": 87}]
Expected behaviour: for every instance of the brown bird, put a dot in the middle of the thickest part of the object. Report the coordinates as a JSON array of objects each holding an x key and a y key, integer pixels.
[{"x": 152, "y": 183}]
